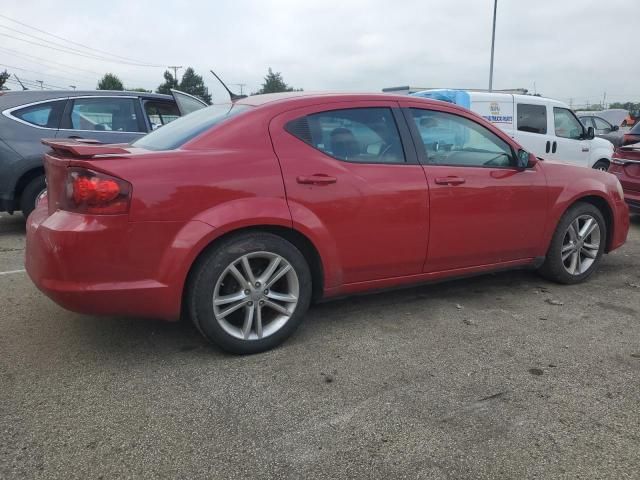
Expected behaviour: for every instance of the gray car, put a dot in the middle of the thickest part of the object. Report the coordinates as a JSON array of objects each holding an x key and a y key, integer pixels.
[
  {"x": 108, "y": 116},
  {"x": 602, "y": 128}
]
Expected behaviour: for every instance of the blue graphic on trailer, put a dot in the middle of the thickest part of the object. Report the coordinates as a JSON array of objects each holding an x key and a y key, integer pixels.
[{"x": 457, "y": 97}]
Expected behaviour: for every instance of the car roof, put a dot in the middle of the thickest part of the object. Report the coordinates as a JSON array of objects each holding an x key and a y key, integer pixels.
[
  {"x": 12, "y": 98},
  {"x": 325, "y": 97}
]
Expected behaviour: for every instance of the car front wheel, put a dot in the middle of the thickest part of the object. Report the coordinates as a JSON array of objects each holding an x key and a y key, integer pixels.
[
  {"x": 249, "y": 293},
  {"x": 577, "y": 245}
]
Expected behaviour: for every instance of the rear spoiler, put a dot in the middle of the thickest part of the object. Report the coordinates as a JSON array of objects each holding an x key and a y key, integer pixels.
[{"x": 83, "y": 148}]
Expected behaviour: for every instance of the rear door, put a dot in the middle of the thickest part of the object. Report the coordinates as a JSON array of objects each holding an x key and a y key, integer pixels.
[
  {"x": 109, "y": 119},
  {"x": 351, "y": 178},
  {"x": 483, "y": 210}
]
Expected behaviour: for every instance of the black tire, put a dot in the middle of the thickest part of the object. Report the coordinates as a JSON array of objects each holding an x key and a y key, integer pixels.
[
  {"x": 211, "y": 266},
  {"x": 601, "y": 165},
  {"x": 553, "y": 267},
  {"x": 30, "y": 194}
]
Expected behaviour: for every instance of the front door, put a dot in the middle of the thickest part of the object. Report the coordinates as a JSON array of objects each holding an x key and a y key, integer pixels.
[
  {"x": 352, "y": 181},
  {"x": 483, "y": 210},
  {"x": 569, "y": 143}
]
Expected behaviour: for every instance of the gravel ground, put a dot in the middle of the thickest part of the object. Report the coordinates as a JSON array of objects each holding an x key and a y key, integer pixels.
[{"x": 501, "y": 376}]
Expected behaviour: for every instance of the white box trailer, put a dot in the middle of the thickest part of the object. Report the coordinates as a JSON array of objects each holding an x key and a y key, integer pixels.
[{"x": 547, "y": 128}]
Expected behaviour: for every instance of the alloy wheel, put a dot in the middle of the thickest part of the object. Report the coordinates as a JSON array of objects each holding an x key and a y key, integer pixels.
[
  {"x": 581, "y": 244},
  {"x": 256, "y": 295}
]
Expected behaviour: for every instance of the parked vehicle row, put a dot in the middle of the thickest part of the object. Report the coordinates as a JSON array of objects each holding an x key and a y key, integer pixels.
[
  {"x": 241, "y": 215},
  {"x": 547, "y": 128},
  {"x": 105, "y": 116}
]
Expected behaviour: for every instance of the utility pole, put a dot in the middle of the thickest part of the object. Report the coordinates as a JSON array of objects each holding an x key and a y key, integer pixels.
[
  {"x": 175, "y": 71},
  {"x": 40, "y": 82},
  {"x": 493, "y": 43},
  {"x": 73, "y": 86},
  {"x": 241, "y": 85},
  {"x": 604, "y": 101},
  {"x": 571, "y": 103}
]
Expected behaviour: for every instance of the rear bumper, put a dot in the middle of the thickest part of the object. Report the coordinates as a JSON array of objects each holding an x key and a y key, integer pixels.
[
  {"x": 620, "y": 225},
  {"x": 105, "y": 265}
]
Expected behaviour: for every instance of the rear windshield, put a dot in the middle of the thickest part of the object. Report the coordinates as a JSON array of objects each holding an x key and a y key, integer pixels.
[
  {"x": 180, "y": 131},
  {"x": 636, "y": 128}
]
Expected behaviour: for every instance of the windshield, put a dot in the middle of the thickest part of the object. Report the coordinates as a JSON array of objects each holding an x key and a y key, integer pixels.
[{"x": 180, "y": 131}]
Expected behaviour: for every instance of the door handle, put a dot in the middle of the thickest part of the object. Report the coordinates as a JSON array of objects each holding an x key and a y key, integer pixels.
[
  {"x": 317, "y": 179},
  {"x": 554, "y": 148},
  {"x": 548, "y": 147},
  {"x": 585, "y": 149},
  {"x": 449, "y": 180}
]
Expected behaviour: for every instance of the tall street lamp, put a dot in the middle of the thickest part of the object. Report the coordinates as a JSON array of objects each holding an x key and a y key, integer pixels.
[{"x": 493, "y": 43}]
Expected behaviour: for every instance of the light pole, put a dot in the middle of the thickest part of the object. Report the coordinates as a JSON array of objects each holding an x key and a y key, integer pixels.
[{"x": 493, "y": 43}]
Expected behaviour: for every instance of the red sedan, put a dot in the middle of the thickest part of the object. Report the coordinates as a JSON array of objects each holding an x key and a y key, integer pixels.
[
  {"x": 240, "y": 215},
  {"x": 625, "y": 165}
]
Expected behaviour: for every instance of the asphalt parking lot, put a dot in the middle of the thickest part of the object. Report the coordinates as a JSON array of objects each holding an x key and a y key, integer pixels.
[{"x": 501, "y": 376}]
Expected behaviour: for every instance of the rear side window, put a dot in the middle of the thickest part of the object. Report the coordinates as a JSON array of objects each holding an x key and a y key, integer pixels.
[
  {"x": 362, "y": 135},
  {"x": 161, "y": 113},
  {"x": 180, "y": 131},
  {"x": 636, "y": 128},
  {"x": 46, "y": 115},
  {"x": 532, "y": 118},
  {"x": 105, "y": 114}
]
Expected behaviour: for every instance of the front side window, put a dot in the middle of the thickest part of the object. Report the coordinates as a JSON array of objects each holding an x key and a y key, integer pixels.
[
  {"x": 453, "y": 140},
  {"x": 105, "y": 114},
  {"x": 161, "y": 113},
  {"x": 362, "y": 135},
  {"x": 566, "y": 124},
  {"x": 45, "y": 115},
  {"x": 601, "y": 125},
  {"x": 532, "y": 118}
]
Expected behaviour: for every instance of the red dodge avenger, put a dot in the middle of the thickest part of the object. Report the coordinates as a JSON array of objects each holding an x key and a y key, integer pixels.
[{"x": 240, "y": 215}]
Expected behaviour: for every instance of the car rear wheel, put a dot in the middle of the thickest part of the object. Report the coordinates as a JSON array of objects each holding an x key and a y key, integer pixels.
[
  {"x": 602, "y": 165},
  {"x": 250, "y": 293},
  {"x": 577, "y": 245},
  {"x": 30, "y": 195}
]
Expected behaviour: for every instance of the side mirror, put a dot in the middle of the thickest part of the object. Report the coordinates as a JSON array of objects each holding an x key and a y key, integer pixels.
[
  {"x": 522, "y": 160},
  {"x": 615, "y": 128},
  {"x": 589, "y": 134}
]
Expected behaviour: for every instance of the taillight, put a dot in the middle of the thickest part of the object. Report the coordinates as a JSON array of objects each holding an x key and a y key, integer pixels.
[{"x": 96, "y": 193}]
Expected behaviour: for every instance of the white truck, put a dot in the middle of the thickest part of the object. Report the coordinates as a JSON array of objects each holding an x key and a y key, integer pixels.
[{"x": 547, "y": 128}]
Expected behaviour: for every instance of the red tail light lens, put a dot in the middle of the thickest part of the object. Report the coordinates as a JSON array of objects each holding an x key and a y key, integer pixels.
[{"x": 96, "y": 193}]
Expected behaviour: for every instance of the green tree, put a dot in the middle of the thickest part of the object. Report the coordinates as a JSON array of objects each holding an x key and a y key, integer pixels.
[
  {"x": 193, "y": 84},
  {"x": 274, "y": 83},
  {"x": 4, "y": 76},
  {"x": 169, "y": 83},
  {"x": 110, "y": 82}
]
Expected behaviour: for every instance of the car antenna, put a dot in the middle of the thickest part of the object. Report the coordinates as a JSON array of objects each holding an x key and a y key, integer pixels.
[
  {"x": 234, "y": 96},
  {"x": 21, "y": 84}
]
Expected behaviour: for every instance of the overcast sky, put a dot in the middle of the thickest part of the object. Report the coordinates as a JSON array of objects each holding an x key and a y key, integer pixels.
[{"x": 570, "y": 48}]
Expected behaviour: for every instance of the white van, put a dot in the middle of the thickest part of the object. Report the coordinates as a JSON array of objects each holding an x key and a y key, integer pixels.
[{"x": 547, "y": 128}]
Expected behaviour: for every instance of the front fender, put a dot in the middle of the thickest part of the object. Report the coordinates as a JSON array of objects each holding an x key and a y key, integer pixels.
[
  {"x": 561, "y": 199},
  {"x": 600, "y": 154}
]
